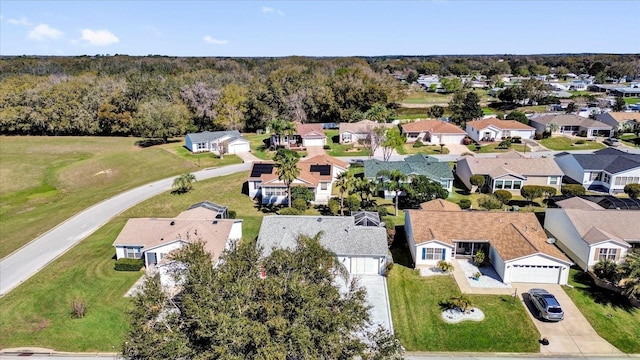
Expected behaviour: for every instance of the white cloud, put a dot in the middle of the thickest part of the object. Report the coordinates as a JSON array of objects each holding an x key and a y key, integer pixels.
[
  {"x": 210, "y": 40},
  {"x": 99, "y": 37},
  {"x": 270, "y": 10},
  {"x": 43, "y": 31},
  {"x": 22, "y": 21},
  {"x": 153, "y": 30}
]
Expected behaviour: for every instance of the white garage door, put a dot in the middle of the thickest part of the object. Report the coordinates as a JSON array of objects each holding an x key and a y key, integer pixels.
[
  {"x": 452, "y": 139},
  {"x": 363, "y": 265},
  {"x": 238, "y": 148},
  {"x": 313, "y": 142},
  {"x": 535, "y": 274}
]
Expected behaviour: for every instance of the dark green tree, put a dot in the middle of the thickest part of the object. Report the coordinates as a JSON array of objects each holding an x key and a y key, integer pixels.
[
  {"x": 424, "y": 189},
  {"x": 518, "y": 116},
  {"x": 302, "y": 192},
  {"x": 633, "y": 190},
  {"x": 465, "y": 107},
  {"x": 286, "y": 163},
  {"x": 393, "y": 180},
  {"x": 436, "y": 111},
  {"x": 619, "y": 105}
]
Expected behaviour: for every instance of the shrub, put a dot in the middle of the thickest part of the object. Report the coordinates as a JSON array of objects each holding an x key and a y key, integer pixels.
[
  {"x": 505, "y": 144},
  {"x": 445, "y": 266},
  {"x": 480, "y": 258},
  {"x": 125, "y": 264},
  {"x": 418, "y": 144},
  {"x": 289, "y": 211},
  {"x": 490, "y": 203},
  {"x": 334, "y": 206},
  {"x": 606, "y": 269},
  {"x": 461, "y": 301},
  {"x": 581, "y": 142},
  {"x": 538, "y": 136},
  {"x": 78, "y": 308},
  {"x": 503, "y": 195},
  {"x": 467, "y": 141},
  {"x": 299, "y": 204},
  {"x": 390, "y": 226},
  {"x": 327, "y": 147},
  {"x": 633, "y": 190},
  {"x": 232, "y": 214},
  {"x": 388, "y": 267},
  {"x": 531, "y": 192},
  {"x": 477, "y": 180},
  {"x": 464, "y": 203},
  {"x": 572, "y": 189},
  {"x": 382, "y": 210},
  {"x": 352, "y": 202},
  {"x": 301, "y": 192}
]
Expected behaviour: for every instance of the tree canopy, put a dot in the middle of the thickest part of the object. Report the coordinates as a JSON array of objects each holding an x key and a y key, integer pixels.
[{"x": 287, "y": 305}]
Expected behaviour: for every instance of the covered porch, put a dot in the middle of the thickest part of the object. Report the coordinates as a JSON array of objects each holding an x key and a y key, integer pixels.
[{"x": 467, "y": 249}]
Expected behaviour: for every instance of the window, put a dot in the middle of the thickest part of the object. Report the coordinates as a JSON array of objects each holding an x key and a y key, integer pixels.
[
  {"x": 432, "y": 254},
  {"x": 595, "y": 176},
  {"x": 323, "y": 186},
  {"x": 506, "y": 133},
  {"x": 131, "y": 252},
  {"x": 624, "y": 180},
  {"x": 606, "y": 178},
  {"x": 274, "y": 191},
  {"x": 507, "y": 184},
  {"x": 606, "y": 253},
  {"x": 553, "y": 180}
]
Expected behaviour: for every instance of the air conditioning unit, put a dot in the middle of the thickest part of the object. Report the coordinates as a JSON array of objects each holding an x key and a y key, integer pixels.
[{"x": 551, "y": 241}]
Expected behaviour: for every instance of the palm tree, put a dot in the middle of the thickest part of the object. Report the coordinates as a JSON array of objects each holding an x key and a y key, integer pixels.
[
  {"x": 365, "y": 188},
  {"x": 184, "y": 183},
  {"x": 630, "y": 272},
  {"x": 344, "y": 183},
  {"x": 286, "y": 162},
  {"x": 277, "y": 126},
  {"x": 395, "y": 183}
]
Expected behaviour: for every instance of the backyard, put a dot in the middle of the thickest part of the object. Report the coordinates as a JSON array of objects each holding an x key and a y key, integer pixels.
[
  {"x": 610, "y": 314},
  {"x": 416, "y": 306},
  {"x": 564, "y": 143}
]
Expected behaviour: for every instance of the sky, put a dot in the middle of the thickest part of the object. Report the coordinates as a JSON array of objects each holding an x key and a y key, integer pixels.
[{"x": 317, "y": 28}]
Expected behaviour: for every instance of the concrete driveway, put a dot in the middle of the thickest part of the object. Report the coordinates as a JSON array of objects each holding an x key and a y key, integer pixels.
[
  {"x": 315, "y": 151},
  {"x": 572, "y": 336}
]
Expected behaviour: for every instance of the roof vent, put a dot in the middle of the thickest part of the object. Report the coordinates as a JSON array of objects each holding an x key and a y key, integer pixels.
[
  {"x": 551, "y": 241},
  {"x": 172, "y": 223},
  {"x": 161, "y": 239},
  {"x": 215, "y": 222}
]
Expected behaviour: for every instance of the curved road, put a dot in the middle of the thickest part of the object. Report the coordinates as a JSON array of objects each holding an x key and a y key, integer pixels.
[{"x": 31, "y": 258}]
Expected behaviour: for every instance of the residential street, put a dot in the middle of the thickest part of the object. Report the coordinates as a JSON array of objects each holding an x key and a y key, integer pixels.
[{"x": 28, "y": 260}]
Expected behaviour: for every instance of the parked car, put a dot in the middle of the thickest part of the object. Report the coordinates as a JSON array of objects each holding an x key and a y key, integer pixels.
[
  {"x": 548, "y": 307},
  {"x": 611, "y": 142}
]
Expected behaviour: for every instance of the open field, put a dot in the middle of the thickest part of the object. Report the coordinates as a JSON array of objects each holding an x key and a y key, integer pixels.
[
  {"x": 610, "y": 314},
  {"x": 416, "y": 308},
  {"x": 46, "y": 180}
]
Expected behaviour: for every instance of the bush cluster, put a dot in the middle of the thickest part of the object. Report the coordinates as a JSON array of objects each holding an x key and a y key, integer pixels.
[
  {"x": 128, "y": 264},
  {"x": 572, "y": 189},
  {"x": 418, "y": 144}
]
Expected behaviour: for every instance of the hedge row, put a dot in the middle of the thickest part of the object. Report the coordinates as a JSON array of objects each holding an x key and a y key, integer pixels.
[{"x": 129, "y": 264}]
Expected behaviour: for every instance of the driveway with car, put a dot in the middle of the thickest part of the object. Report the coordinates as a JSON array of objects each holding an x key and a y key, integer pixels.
[{"x": 572, "y": 336}]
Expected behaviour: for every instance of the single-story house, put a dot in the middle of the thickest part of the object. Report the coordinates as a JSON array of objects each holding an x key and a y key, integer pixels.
[
  {"x": 304, "y": 135},
  {"x": 317, "y": 173},
  {"x": 230, "y": 142},
  {"x": 433, "y": 132},
  {"x": 515, "y": 243},
  {"x": 354, "y": 133},
  {"x": 625, "y": 91},
  {"x": 509, "y": 171},
  {"x": 493, "y": 129},
  {"x": 589, "y": 233},
  {"x": 418, "y": 164},
  {"x": 361, "y": 249},
  {"x": 606, "y": 170},
  {"x": 366, "y": 218},
  {"x": 153, "y": 239},
  {"x": 620, "y": 120},
  {"x": 570, "y": 124}
]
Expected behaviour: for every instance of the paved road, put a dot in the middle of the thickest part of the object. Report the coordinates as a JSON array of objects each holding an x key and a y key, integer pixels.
[{"x": 31, "y": 258}]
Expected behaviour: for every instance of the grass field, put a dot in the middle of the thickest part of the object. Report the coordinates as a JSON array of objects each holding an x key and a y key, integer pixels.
[
  {"x": 630, "y": 101},
  {"x": 416, "y": 312},
  {"x": 258, "y": 146},
  {"x": 408, "y": 149},
  {"x": 564, "y": 143},
  {"x": 610, "y": 314},
  {"x": 338, "y": 149},
  {"x": 45, "y": 180},
  {"x": 493, "y": 148}
]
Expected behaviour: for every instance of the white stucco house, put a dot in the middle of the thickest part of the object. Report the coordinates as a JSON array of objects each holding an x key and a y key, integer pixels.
[
  {"x": 606, "y": 170},
  {"x": 515, "y": 243},
  {"x": 357, "y": 132},
  {"x": 317, "y": 173},
  {"x": 494, "y": 129},
  {"x": 587, "y": 232},
  {"x": 229, "y": 142},
  {"x": 433, "y": 132}
]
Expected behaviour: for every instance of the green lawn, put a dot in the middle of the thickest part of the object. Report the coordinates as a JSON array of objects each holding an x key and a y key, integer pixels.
[
  {"x": 45, "y": 180},
  {"x": 493, "y": 148},
  {"x": 631, "y": 140},
  {"x": 408, "y": 149},
  {"x": 338, "y": 149},
  {"x": 203, "y": 160},
  {"x": 416, "y": 312},
  {"x": 564, "y": 143},
  {"x": 630, "y": 101},
  {"x": 258, "y": 145},
  {"x": 427, "y": 98},
  {"x": 610, "y": 314}
]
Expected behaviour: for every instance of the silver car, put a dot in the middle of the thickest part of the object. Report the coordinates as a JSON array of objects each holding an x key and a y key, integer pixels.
[{"x": 548, "y": 307}]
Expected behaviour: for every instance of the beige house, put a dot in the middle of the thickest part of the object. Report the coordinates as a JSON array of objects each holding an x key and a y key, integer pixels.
[
  {"x": 509, "y": 171},
  {"x": 589, "y": 233},
  {"x": 433, "y": 132},
  {"x": 620, "y": 120},
  {"x": 515, "y": 243},
  {"x": 357, "y": 132}
]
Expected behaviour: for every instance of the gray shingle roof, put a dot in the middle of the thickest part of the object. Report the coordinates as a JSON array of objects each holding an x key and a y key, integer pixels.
[
  {"x": 611, "y": 160},
  {"x": 418, "y": 164},
  {"x": 569, "y": 119},
  {"x": 340, "y": 234},
  {"x": 207, "y": 136}
]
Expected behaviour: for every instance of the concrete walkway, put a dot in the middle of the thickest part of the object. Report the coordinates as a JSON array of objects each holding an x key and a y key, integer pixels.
[{"x": 247, "y": 157}]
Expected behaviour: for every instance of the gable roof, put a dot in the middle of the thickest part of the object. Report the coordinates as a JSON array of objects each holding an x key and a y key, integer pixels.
[
  {"x": 432, "y": 126},
  {"x": 310, "y": 131},
  {"x": 340, "y": 234},
  {"x": 620, "y": 117},
  {"x": 440, "y": 205},
  {"x": 597, "y": 225},
  {"x": 362, "y": 126},
  {"x": 512, "y": 234},
  {"x": 608, "y": 159},
  {"x": 500, "y": 124},
  {"x": 523, "y": 166},
  {"x": 208, "y": 136},
  {"x": 418, "y": 164},
  {"x": 312, "y": 171},
  {"x": 325, "y": 159},
  {"x": 569, "y": 119}
]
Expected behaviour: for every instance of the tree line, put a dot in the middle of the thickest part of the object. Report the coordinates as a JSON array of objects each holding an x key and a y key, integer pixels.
[{"x": 160, "y": 97}]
